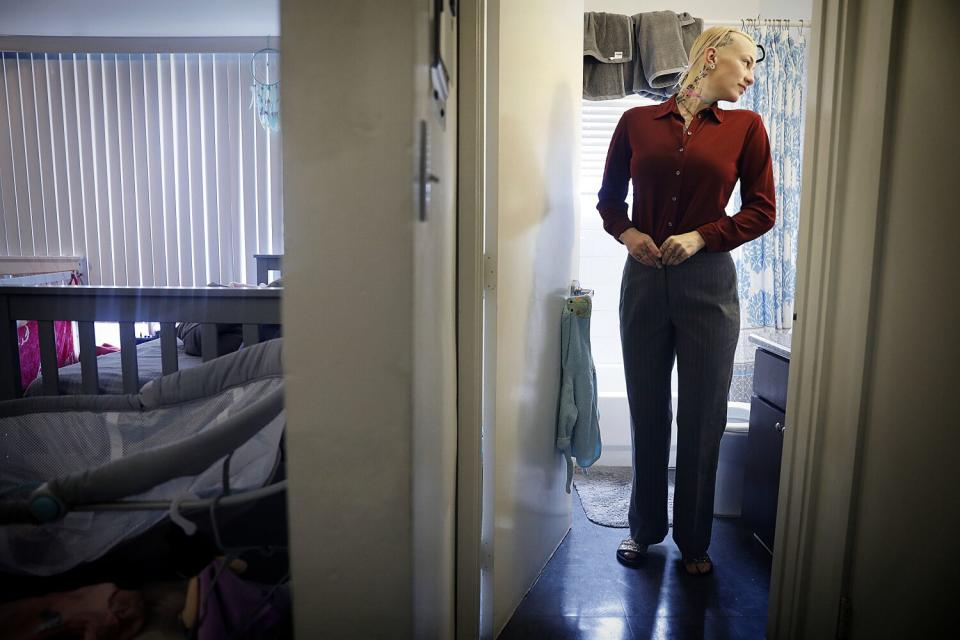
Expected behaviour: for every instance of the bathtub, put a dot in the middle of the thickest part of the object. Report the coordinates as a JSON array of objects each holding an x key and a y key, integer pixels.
[
  {"x": 615, "y": 427},
  {"x": 618, "y": 452}
]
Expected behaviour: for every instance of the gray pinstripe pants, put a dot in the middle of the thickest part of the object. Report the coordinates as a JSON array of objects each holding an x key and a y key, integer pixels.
[{"x": 690, "y": 312}]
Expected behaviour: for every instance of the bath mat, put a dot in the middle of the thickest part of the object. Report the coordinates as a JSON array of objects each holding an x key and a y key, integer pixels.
[{"x": 605, "y": 494}]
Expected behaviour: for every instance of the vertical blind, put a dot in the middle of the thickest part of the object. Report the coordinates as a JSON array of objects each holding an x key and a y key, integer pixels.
[
  {"x": 598, "y": 119},
  {"x": 153, "y": 166}
]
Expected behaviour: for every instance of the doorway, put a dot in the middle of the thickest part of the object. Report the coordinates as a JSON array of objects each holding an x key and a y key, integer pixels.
[{"x": 801, "y": 479}]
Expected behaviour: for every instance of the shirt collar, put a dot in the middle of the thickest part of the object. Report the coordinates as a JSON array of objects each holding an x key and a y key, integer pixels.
[{"x": 670, "y": 106}]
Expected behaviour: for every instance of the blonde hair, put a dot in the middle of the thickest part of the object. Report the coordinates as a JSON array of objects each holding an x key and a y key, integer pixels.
[{"x": 716, "y": 37}]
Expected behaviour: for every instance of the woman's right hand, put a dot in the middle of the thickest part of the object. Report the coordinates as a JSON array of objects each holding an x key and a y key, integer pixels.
[{"x": 642, "y": 248}]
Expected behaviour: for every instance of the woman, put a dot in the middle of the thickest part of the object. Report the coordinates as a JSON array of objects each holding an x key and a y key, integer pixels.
[{"x": 678, "y": 296}]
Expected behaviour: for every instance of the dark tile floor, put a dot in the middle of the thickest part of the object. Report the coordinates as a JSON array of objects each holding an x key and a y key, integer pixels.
[{"x": 585, "y": 593}]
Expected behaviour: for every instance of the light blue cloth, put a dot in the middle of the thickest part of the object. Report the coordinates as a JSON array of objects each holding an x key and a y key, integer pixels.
[{"x": 578, "y": 421}]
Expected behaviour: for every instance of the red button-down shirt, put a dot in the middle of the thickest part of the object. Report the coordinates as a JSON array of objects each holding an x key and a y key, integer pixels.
[{"x": 682, "y": 182}]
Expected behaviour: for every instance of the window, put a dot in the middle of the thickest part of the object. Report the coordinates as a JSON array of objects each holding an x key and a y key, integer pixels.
[
  {"x": 152, "y": 166},
  {"x": 602, "y": 257}
]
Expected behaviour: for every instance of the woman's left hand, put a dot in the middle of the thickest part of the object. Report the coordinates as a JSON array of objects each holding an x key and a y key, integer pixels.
[{"x": 676, "y": 249}]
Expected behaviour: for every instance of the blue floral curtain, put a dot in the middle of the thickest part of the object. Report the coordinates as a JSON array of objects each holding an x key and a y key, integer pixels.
[{"x": 767, "y": 266}]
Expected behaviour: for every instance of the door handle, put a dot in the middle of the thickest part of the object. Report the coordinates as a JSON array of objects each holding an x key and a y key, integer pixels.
[{"x": 425, "y": 178}]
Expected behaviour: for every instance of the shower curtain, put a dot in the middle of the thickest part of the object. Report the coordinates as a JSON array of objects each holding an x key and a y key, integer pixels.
[{"x": 767, "y": 267}]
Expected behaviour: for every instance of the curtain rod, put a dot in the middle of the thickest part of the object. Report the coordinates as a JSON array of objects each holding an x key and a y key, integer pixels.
[
  {"x": 765, "y": 22},
  {"x": 135, "y": 44}
]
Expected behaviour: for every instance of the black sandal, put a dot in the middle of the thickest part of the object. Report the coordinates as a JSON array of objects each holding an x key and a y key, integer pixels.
[
  {"x": 703, "y": 558},
  {"x": 631, "y": 553}
]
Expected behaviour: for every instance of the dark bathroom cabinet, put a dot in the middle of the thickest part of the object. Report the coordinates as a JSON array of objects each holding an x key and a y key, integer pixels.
[{"x": 765, "y": 445}]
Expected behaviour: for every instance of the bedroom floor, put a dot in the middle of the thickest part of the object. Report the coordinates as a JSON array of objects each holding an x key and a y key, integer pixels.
[
  {"x": 157, "y": 562},
  {"x": 585, "y": 593}
]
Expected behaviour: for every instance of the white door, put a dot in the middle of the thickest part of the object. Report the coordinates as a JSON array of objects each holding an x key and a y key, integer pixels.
[
  {"x": 369, "y": 352},
  {"x": 530, "y": 241},
  {"x": 434, "y": 330}
]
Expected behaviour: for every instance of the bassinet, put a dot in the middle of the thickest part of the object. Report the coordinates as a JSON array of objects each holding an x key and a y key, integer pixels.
[{"x": 76, "y": 469}]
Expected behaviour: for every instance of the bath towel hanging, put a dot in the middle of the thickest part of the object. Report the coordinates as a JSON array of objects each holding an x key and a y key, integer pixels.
[
  {"x": 608, "y": 50},
  {"x": 663, "y": 41},
  {"x": 578, "y": 421}
]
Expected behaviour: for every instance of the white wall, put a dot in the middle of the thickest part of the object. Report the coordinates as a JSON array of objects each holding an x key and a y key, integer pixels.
[
  {"x": 537, "y": 221},
  {"x": 143, "y": 18},
  {"x": 793, "y": 9},
  {"x": 706, "y": 9},
  {"x": 907, "y": 514}
]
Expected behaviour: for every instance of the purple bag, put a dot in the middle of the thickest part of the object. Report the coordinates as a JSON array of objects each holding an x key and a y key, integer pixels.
[{"x": 231, "y": 607}]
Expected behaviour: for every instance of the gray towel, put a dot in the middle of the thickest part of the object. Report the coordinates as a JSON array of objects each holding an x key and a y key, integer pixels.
[
  {"x": 608, "y": 50},
  {"x": 663, "y": 40},
  {"x": 608, "y": 37},
  {"x": 603, "y": 81}
]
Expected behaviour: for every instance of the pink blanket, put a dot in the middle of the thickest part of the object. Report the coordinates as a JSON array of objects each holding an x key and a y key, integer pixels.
[{"x": 28, "y": 338}]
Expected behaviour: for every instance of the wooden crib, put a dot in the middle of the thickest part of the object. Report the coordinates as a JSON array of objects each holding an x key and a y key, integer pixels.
[{"x": 22, "y": 299}]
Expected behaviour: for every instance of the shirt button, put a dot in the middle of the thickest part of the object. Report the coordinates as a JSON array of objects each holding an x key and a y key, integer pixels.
[
  {"x": 689, "y": 133},
  {"x": 678, "y": 171},
  {"x": 681, "y": 148},
  {"x": 674, "y": 198},
  {"x": 669, "y": 224}
]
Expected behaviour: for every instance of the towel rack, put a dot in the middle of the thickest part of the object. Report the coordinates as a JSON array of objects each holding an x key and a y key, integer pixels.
[{"x": 577, "y": 290}]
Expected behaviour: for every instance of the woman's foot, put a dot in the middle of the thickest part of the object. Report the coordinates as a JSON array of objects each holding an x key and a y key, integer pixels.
[
  {"x": 631, "y": 553},
  {"x": 698, "y": 564}
]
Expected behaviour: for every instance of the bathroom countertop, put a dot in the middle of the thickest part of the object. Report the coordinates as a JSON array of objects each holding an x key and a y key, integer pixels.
[{"x": 774, "y": 340}]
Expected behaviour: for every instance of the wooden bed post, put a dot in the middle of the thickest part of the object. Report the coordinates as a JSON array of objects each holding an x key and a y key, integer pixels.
[
  {"x": 9, "y": 354},
  {"x": 267, "y": 262}
]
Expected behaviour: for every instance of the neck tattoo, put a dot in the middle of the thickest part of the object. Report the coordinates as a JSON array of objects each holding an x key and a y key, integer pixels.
[
  {"x": 693, "y": 90},
  {"x": 682, "y": 104}
]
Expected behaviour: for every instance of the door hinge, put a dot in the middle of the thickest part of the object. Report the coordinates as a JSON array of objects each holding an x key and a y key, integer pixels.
[
  {"x": 843, "y": 618},
  {"x": 489, "y": 273}
]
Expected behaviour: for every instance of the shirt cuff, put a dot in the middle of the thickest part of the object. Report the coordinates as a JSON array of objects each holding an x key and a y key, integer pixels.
[
  {"x": 710, "y": 235},
  {"x": 617, "y": 227}
]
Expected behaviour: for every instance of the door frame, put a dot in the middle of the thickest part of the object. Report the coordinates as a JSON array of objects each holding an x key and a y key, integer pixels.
[
  {"x": 841, "y": 219},
  {"x": 476, "y": 310},
  {"x": 848, "y": 106}
]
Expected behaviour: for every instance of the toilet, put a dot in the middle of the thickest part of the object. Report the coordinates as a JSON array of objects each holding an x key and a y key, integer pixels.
[{"x": 728, "y": 493}]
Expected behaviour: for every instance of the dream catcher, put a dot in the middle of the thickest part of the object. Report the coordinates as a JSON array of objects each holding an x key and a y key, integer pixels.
[{"x": 265, "y": 98}]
